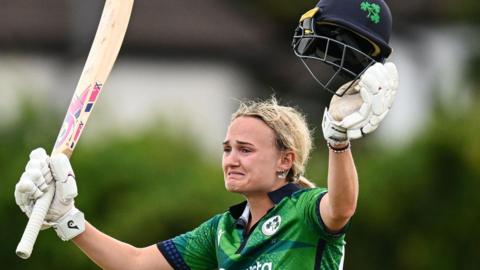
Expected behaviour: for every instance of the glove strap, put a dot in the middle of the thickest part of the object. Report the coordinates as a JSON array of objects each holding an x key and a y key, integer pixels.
[
  {"x": 332, "y": 132},
  {"x": 70, "y": 225}
]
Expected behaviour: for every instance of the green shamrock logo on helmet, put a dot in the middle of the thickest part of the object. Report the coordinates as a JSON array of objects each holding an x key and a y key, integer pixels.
[{"x": 373, "y": 11}]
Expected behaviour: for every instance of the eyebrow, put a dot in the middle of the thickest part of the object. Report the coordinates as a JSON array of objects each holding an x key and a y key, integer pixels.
[{"x": 237, "y": 141}]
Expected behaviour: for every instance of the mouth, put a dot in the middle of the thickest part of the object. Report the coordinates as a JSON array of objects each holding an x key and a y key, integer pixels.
[{"x": 235, "y": 174}]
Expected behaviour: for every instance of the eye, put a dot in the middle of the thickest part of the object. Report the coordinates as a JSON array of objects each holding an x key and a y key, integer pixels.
[
  {"x": 227, "y": 149},
  {"x": 245, "y": 150}
]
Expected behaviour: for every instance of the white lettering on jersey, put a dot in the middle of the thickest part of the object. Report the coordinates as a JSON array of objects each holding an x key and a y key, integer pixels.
[{"x": 257, "y": 266}]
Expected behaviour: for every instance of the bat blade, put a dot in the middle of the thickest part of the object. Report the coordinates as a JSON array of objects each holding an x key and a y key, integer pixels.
[{"x": 103, "y": 53}]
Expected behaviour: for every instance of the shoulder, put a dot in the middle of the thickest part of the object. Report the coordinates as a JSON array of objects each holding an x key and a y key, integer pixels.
[
  {"x": 210, "y": 224},
  {"x": 308, "y": 199},
  {"x": 309, "y": 192},
  {"x": 215, "y": 220}
]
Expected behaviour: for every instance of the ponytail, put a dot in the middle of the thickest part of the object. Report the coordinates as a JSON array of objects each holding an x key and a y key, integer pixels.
[{"x": 304, "y": 182}]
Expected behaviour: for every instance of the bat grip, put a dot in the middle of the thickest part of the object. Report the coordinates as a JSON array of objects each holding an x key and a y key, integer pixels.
[{"x": 40, "y": 209}]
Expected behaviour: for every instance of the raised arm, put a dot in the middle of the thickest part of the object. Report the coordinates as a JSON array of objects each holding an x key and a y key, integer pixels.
[
  {"x": 349, "y": 117},
  {"x": 69, "y": 223},
  {"x": 339, "y": 204}
]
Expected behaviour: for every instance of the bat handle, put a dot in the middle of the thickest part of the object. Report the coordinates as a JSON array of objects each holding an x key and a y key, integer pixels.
[{"x": 25, "y": 246}]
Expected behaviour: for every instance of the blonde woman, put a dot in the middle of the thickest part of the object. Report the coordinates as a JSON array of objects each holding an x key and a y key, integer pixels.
[{"x": 284, "y": 222}]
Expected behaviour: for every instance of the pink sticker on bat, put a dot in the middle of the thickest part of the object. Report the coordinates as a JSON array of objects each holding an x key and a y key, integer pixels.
[
  {"x": 72, "y": 116},
  {"x": 95, "y": 92},
  {"x": 78, "y": 132}
]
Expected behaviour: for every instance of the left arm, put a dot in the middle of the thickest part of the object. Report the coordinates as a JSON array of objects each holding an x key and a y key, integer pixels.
[
  {"x": 349, "y": 117},
  {"x": 339, "y": 204}
]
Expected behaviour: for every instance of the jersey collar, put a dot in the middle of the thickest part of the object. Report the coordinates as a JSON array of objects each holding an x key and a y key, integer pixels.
[
  {"x": 277, "y": 195},
  {"x": 241, "y": 209}
]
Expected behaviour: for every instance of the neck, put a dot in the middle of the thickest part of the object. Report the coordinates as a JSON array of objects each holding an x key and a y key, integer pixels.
[{"x": 260, "y": 204}]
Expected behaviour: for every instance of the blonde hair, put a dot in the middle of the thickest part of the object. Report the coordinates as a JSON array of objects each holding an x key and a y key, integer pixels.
[{"x": 291, "y": 132}]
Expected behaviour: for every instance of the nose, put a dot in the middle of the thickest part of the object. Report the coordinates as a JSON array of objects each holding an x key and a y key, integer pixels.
[{"x": 230, "y": 159}]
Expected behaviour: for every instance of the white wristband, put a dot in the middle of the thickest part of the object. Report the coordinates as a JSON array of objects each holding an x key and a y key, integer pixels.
[{"x": 70, "y": 225}]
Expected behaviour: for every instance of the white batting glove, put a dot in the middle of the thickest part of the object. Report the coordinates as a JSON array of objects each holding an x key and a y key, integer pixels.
[
  {"x": 363, "y": 106},
  {"x": 62, "y": 215}
]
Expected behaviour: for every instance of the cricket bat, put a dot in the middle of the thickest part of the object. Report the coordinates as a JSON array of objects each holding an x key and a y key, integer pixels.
[{"x": 106, "y": 45}]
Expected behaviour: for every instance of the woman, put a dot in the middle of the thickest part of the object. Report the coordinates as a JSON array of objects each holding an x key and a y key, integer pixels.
[
  {"x": 264, "y": 154},
  {"x": 285, "y": 223}
]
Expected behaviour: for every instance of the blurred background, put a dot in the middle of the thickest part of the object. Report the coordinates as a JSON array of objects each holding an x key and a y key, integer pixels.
[{"x": 148, "y": 165}]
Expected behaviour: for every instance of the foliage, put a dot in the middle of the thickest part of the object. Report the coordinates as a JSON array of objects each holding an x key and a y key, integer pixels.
[
  {"x": 473, "y": 67},
  {"x": 417, "y": 206},
  {"x": 463, "y": 11}
]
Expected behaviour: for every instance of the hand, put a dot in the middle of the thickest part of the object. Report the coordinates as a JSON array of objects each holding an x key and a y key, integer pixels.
[
  {"x": 363, "y": 106},
  {"x": 40, "y": 172}
]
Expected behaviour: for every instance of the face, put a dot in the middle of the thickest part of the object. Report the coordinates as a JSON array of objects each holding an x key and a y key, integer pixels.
[{"x": 250, "y": 157}]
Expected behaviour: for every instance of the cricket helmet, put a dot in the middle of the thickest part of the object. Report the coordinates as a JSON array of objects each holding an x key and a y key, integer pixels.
[{"x": 346, "y": 35}]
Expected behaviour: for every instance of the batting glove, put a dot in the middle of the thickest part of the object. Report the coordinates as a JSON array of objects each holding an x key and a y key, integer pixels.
[
  {"x": 363, "y": 106},
  {"x": 40, "y": 172}
]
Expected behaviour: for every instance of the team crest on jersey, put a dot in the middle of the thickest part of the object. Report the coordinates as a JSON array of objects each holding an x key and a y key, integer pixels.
[{"x": 271, "y": 225}]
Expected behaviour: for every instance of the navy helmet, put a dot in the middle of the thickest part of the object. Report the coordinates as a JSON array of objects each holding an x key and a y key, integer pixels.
[{"x": 348, "y": 35}]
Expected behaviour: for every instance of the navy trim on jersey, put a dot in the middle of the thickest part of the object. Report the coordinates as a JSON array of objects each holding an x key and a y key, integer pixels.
[
  {"x": 237, "y": 210},
  {"x": 319, "y": 254},
  {"x": 245, "y": 236},
  {"x": 242, "y": 221},
  {"x": 171, "y": 254},
  {"x": 277, "y": 195},
  {"x": 241, "y": 224},
  {"x": 335, "y": 234}
]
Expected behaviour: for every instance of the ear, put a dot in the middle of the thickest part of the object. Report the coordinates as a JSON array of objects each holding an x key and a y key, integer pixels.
[{"x": 286, "y": 160}]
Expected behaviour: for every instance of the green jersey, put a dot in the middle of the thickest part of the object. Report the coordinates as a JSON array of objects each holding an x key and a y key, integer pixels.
[{"x": 290, "y": 236}]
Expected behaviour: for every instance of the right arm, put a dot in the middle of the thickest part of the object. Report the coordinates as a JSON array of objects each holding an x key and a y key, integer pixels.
[
  {"x": 69, "y": 222},
  {"x": 109, "y": 253}
]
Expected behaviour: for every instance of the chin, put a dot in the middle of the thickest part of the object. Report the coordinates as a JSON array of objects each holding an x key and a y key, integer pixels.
[
  {"x": 232, "y": 188},
  {"x": 235, "y": 186}
]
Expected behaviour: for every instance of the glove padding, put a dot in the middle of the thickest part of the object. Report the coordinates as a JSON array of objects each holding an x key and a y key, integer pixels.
[
  {"x": 67, "y": 221},
  {"x": 363, "y": 106}
]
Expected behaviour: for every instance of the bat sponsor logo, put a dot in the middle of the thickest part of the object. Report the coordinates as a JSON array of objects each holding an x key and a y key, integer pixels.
[
  {"x": 71, "y": 125},
  {"x": 93, "y": 96}
]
